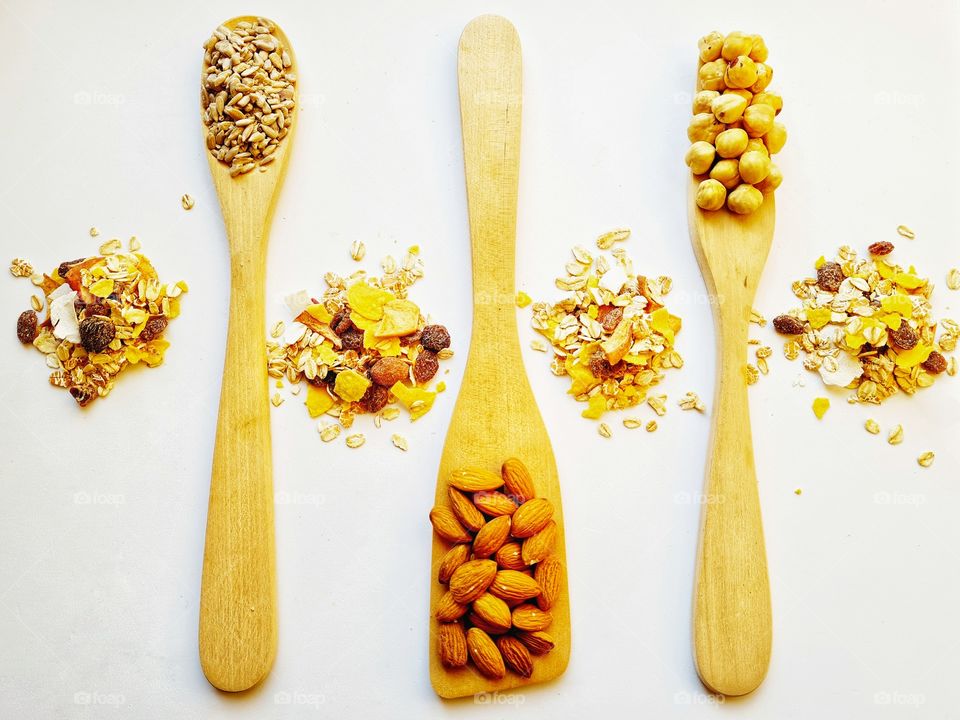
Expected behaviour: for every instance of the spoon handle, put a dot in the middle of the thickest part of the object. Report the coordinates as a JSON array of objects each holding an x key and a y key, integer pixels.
[
  {"x": 732, "y": 617},
  {"x": 238, "y": 624}
]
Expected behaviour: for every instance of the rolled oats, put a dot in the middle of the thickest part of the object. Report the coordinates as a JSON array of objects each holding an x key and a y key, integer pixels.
[
  {"x": 896, "y": 435},
  {"x": 925, "y": 459}
]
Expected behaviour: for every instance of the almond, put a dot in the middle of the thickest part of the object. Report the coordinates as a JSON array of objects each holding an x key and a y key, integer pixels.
[
  {"x": 451, "y": 560},
  {"x": 477, "y": 621},
  {"x": 531, "y": 517},
  {"x": 452, "y": 644},
  {"x": 514, "y": 585},
  {"x": 491, "y": 537},
  {"x": 484, "y": 654},
  {"x": 446, "y": 525},
  {"x": 516, "y": 655},
  {"x": 539, "y": 546},
  {"x": 539, "y": 642},
  {"x": 517, "y": 481},
  {"x": 471, "y": 580},
  {"x": 549, "y": 576},
  {"x": 508, "y": 557},
  {"x": 449, "y": 609},
  {"x": 465, "y": 510},
  {"x": 493, "y": 611},
  {"x": 494, "y": 503},
  {"x": 530, "y": 617},
  {"x": 475, "y": 479}
]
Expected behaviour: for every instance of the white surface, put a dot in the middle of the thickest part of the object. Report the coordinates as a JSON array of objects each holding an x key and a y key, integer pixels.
[{"x": 98, "y": 600}]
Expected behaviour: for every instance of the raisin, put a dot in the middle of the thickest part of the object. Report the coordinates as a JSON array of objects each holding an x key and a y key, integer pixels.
[
  {"x": 375, "y": 398},
  {"x": 880, "y": 248},
  {"x": 603, "y": 370},
  {"x": 609, "y": 317},
  {"x": 787, "y": 325},
  {"x": 904, "y": 337},
  {"x": 352, "y": 340},
  {"x": 341, "y": 322},
  {"x": 84, "y": 395},
  {"x": 829, "y": 276},
  {"x": 154, "y": 328},
  {"x": 389, "y": 371},
  {"x": 65, "y": 266},
  {"x": 99, "y": 308},
  {"x": 425, "y": 366},
  {"x": 435, "y": 338},
  {"x": 27, "y": 327},
  {"x": 96, "y": 333},
  {"x": 935, "y": 363},
  {"x": 411, "y": 339}
]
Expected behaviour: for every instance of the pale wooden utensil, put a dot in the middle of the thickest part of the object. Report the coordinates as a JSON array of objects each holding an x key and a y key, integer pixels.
[
  {"x": 495, "y": 416},
  {"x": 238, "y": 620},
  {"x": 732, "y": 622}
]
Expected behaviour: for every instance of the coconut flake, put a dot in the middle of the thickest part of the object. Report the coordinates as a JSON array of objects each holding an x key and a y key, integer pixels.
[
  {"x": 63, "y": 315},
  {"x": 614, "y": 279},
  {"x": 294, "y": 332},
  {"x": 298, "y": 302},
  {"x": 848, "y": 369}
]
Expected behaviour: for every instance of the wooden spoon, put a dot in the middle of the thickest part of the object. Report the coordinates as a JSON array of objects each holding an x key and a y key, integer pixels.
[
  {"x": 238, "y": 621},
  {"x": 731, "y": 621},
  {"x": 495, "y": 416}
]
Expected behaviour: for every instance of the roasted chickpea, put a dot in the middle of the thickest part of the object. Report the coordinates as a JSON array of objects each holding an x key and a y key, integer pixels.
[
  {"x": 764, "y": 76},
  {"x": 711, "y": 195},
  {"x": 758, "y": 53},
  {"x": 732, "y": 142},
  {"x": 758, "y": 119},
  {"x": 772, "y": 181},
  {"x": 703, "y": 100},
  {"x": 710, "y": 75},
  {"x": 710, "y": 46},
  {"x": 745, "y": 199},
  {"x": 700, "y": 157},
  {"x": 728, "y": 108},
  {"x": 754, "y": 166},
  {"x": 768, "y": 98},
  {"x": 704, "y": 126},
  {"x": 775, "y": 138},
  {"x": 736, "y": 44},
  {"x": 726, "y": 172},
  {"x": 742, "y": 73}
]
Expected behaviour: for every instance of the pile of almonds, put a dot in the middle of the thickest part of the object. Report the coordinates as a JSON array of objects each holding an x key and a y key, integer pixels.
[{"x": 502, "y": 579}]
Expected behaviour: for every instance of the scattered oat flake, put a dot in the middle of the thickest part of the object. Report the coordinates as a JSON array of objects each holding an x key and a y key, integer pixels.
[
  {"x": 604, "y": 430},
  {"x": 278, "y": 329},
  {"x": 953, "y": 279},
  {"x": 692, "y": 401},
  {"x": 926, "y": 459},
  {"x": 20, "y": 268},
  {"x": 414, "y": 250},
  {"x": 356, "y": 440},
  {"x": 391, "y": 412},
  {"x": 399, "y": 441},
  {"x": 896, "y": 435},
  {"x": 906, "y": 232},
  {"x": 538, "y": 346},
  {"x": 631, "y": 423},
  {"x": 134, "y": 244},
  {"x": 751, "y": 373},
  {"x": 94, "y": 232},
  {"x": 36, "y": 303},
  {"x": 276, "y": 400},
  {"x": 651, "y": 426},
  {"x": 658, "y": 403},
  {"x": 523, "y": 300},
  {"x": 329, "y": 432},
  {"x": 820, "y": 407},
  {"x": 756, "y": 317},
  {"x": 187, "y": 202},
  {"x": 111, "y": 247},
  {"x": 358, "y": 250},
  {"x": 872, "y": 426},
  {"x": 606, "y": 241},
  {"x": 798, "y": 491}
]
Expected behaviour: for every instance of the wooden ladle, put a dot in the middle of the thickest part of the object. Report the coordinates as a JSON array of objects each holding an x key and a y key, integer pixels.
[
  {"x": 731, "y": 618},
  {"x": 496, "y": 416},
  {"x": 238, "y": 618}
]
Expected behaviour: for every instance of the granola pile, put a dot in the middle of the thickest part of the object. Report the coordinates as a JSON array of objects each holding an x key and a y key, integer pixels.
[
  {"x": 612, "y": 336},
  {"x": 103, "y": 314},
  {"x": 867, "y": 324},
  {"x": 360, "y": 347}
]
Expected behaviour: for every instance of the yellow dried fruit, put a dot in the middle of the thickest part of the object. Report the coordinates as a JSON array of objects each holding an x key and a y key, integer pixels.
[
  {"x": 368, "y": 301},
  {"x": 318, "y": 400},
  {"x": 523, "y": 300},
  {"x": 350, "y": 385},
  {"x": 820, "y": 407},
  {"x": 102, "y": 288},
  {"x": 417, "y": 400}
]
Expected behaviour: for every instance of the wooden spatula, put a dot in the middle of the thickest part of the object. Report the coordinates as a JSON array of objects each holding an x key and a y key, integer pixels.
[
  {"x": 732, "y": 622},
  {"x": 238, "y": 620},
  {"x": 495, "y": 416}
]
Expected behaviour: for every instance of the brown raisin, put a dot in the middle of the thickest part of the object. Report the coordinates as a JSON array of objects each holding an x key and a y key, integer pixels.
[
  {"x": 880, "y": 248},
  {"x": 389, "y": 371},
  {"x": 352, "y": 340},
  {"x": 341, "y": 321},
  {"x": 609, "y": 317},
  {"x": 98, "y": 308},
  {"x": 787, "y": 325},
  {"x": 425, "y": 366},
  {"x": 904, "y": 337},
  {"x": 411, "y": 339},
  {"x": 435, "y": 338},
  {"x": 154, "y": 328},
  {"x": 65, "y": 266},
  {"x": 83, "y": 394},
  {"x": 27, "y": 327},
  {"x": 96, "y": 333},
  {"x": 935, "y": 363},
  {"x": 375, "y": 398},
  {"x": 829, "y": 276},
  {"x": 603, "y": 370}
]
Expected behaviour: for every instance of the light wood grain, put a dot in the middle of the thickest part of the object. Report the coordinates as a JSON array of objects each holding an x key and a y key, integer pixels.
[
  {"x": 732, "y": 619},
  {"x": 238, "y": 621},
  {"x": 496, "y": 416}
]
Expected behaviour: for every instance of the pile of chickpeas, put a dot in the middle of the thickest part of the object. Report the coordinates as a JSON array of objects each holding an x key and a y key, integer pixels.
[{"x": 734, "y": 129}]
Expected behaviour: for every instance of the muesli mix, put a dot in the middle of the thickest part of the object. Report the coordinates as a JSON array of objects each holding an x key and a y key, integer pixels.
[{"x": 103, "y": 314}]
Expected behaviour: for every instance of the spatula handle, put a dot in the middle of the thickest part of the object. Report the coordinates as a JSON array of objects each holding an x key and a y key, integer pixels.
[
  {"x": 238, "y": 625},
  {"x": 732, "y": 619}
]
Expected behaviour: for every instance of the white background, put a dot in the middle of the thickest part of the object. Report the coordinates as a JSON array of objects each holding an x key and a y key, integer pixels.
[{"x": 98, "y": 600}]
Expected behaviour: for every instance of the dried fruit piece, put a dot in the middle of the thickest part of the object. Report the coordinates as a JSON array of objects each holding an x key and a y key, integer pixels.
[
  {"x": 513, "y": 585},
  {"x": 389, "y": 371},
  {"x": 935, "y": 363},
  {"x": 904, "y": 337},
  {"x": 537, "y": 642},
  {"x": 445, "y": 524},
  {"x": 485, "y": 654},
  {"x": 515, "y": 655},
  {"x": 452, "y": 644},
  {"x": 471, "y": 580},
  {"x": 494, "y": 503},
  {"x": 474, "y": 479},
  {"x": 509, "y": 557},
  {"x": 425, "y": 366},
  {"x": 517, "y": 481},
  {"x": 788, "y": 325},
  {"x": 375, "y": 398},
  {"x": 820, "y": 407},
  {"x": 435, "y": 338},
  {"x": 448, "y": 609},
  {"x": 493, "y": 611},
  {"x": 531, "y": 517},
  {"x": 925, "y": 459},
  {"x": 466, "y": 512},
  {"x": 549, "y": 576},
  {"x": 829, "y": 276},
  {"x": 96, "y": 333},
  {"x": 27, "y": 327},
  {"x": 151, "y": 331},
  {"x": 880, "y": 248},
  {"x": 531, "y": 618},
  {"x": 540, "y": 545},
  {"x": 451, "y": 560}
]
